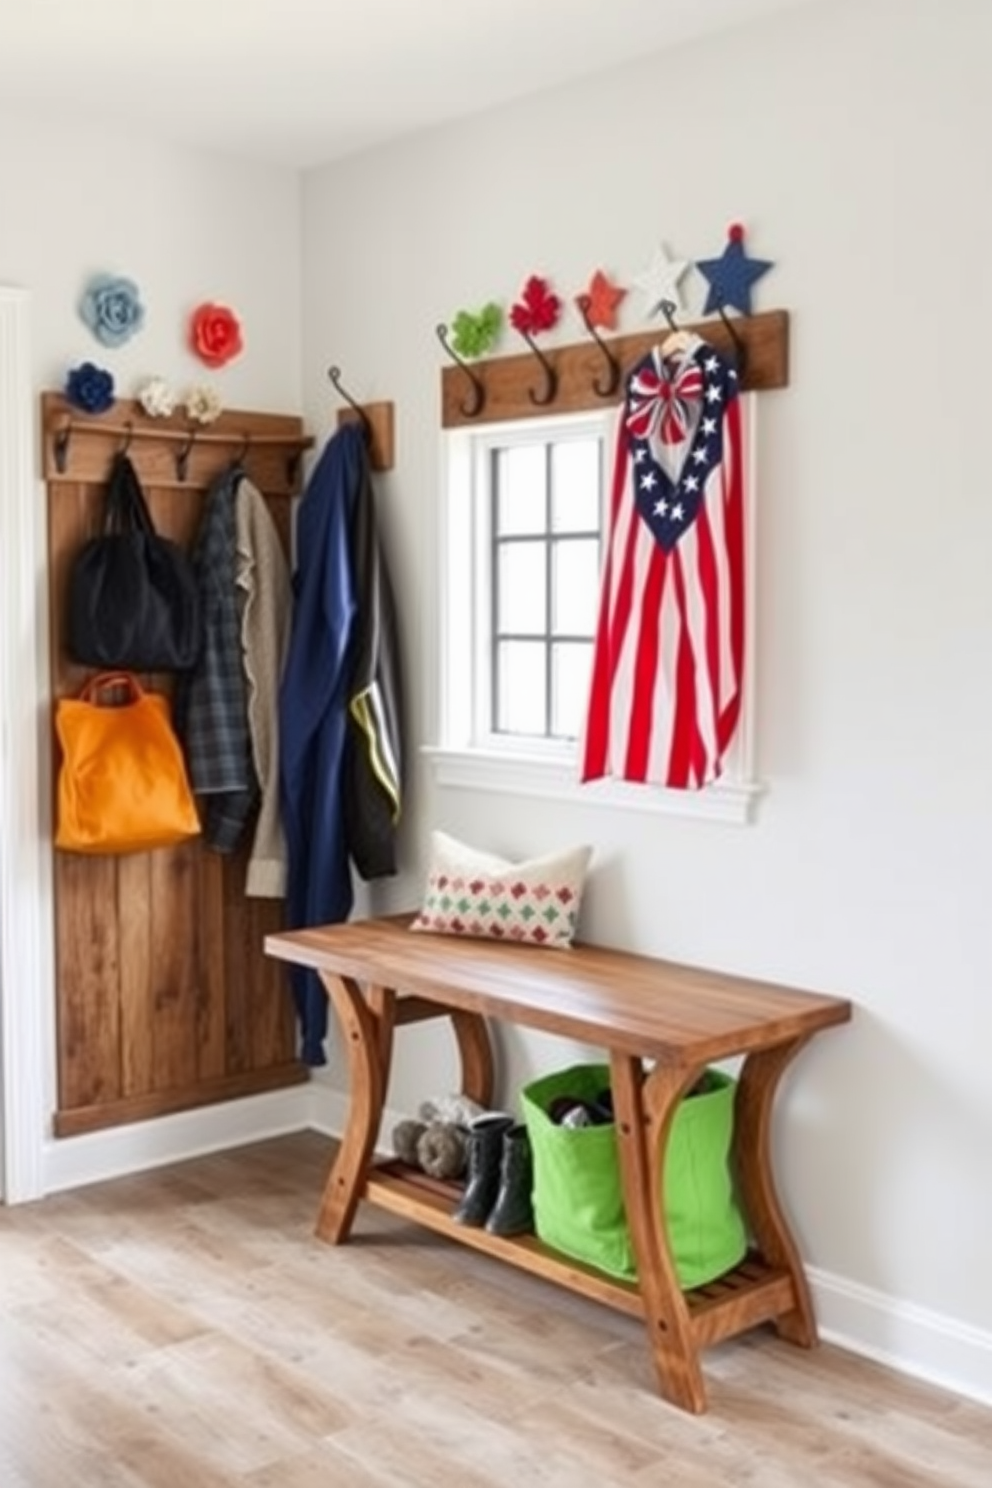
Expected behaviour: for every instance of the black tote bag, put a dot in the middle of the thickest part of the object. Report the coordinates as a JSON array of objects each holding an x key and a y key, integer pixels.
[{"x": 133, "y": 597}]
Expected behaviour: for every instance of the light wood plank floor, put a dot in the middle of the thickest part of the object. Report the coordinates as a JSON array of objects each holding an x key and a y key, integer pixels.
[{"x": 184, "y": 1329}]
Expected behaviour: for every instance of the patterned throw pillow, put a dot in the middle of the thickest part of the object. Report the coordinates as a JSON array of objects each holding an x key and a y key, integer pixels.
[{"x": 476, "y": 893}]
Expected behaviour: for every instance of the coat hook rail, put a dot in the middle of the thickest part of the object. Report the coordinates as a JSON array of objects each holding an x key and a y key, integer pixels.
[
  {"x": 602, "y": 388},
  {"x": 477, "y": 399},
  {"x": 128, "y": 432},
  {"x": 549, "y": 392},
  {"x": 334, "y": 373}
]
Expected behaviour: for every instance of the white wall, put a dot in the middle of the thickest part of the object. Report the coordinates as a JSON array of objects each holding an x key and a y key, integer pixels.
[
  {"x": 853, "y": 140},
  {"x": 185, "y": 225}
]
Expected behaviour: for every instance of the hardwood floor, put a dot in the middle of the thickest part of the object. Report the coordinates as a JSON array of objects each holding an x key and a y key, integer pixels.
[{"x": 184, "y": 1329}]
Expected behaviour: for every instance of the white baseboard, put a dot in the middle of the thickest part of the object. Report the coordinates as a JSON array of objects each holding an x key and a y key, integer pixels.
[
  {"x": 913, "y": 1340},
  {"x": 329, "y": 1113},
  {"x": 70, "y": 1162}
]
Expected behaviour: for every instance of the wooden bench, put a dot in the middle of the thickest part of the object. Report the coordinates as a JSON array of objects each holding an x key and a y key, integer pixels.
[{"x": 660, "y": 1024}]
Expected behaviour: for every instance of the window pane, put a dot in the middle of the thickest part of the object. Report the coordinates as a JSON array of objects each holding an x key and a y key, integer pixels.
[
  {"x": 520, "y": 687},
  {"x": 575, "y": 586},
  {"x": 570, "y": 663},
  {"x": 521, "y": 485},
  {"x": 521, "y": 584},
  {"x": 575, "y": 485}
]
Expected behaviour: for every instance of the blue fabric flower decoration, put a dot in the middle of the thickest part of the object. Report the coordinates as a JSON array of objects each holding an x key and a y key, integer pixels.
[
  {"x": 112, "y": 309},
  {"x": 90, "y": 388}
]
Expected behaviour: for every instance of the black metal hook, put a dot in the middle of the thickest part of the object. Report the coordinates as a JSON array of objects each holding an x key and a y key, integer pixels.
[
  {"x": 550, "y": 390},
  {"x": 128, "y": 436},
  {"x": 243, "y": 451},
  {"x": 668, "y": 309},
  {"x": 183, "y": 454},
  {"x": 477, "y": 401},
  {"x": 740, "y": 349},
  {"x": 334, "y": 373},
  {"x": 60, "y": 446},
  {"x": 613, "y": 366}
]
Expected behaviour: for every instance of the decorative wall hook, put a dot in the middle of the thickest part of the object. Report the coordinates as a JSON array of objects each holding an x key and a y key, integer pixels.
[
  {"x": 128, "y": 436},
  {"x": 549, "y": 392},
  {"x": 477, "y": 400},
  {"x": 183, "y": 454},
  {"x": 61, "y": 440},
  {"x": 243, "y": 451},
  {"x": 740, "y": 349},
  {"x": 334, "y": 373},
  {"x": 668, "y": 309},
  {"x": 607, "y": 388}
]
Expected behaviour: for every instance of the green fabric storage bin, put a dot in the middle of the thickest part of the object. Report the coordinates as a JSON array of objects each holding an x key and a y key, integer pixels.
[{"x": 578, "y": 1195}]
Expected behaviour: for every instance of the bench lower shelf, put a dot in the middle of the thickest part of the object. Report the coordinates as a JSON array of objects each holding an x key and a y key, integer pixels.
[{"x": 753, "y": 1292}]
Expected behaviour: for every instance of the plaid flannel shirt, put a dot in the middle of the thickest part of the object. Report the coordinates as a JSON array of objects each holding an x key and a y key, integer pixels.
[{"x": 212, "y": 699}]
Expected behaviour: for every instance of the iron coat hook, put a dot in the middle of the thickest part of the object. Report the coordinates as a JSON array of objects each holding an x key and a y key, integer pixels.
[
  {"x": 183, "y": 454},
  {"x": 613, "y": 372},
  {"x": 334, "y": 373},
  {"x": 549, "y": 392},
  {"x": 477, "y": 400}
]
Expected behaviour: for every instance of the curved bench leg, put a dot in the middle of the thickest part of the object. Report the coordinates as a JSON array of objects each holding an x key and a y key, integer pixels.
[
  {"x": 759, "y": 1078},
  {"x": 367, "y": 1028},
  {"x": 643, "y": 1119},
  {"x": 476, "y": 1053}
]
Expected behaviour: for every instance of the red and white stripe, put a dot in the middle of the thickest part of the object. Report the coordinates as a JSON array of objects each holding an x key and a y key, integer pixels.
[{"x": 669, "y": 652}]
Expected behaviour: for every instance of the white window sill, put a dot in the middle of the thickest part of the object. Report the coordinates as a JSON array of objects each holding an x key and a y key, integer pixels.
[{"x": 553, "y": 780}]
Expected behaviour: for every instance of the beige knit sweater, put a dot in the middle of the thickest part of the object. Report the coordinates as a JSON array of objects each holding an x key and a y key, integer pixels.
[{"x": 262, "y": 577}]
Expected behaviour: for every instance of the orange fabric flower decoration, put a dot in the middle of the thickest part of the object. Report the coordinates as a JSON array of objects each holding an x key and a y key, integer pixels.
[{"x": 215, "y": 334}]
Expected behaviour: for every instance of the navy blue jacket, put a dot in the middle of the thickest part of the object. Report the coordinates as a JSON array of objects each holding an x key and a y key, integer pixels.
[{"x": 334, "y": 790}]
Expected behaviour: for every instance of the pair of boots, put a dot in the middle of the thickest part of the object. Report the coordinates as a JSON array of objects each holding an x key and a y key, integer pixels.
[{"x": 500, "y": 1177}]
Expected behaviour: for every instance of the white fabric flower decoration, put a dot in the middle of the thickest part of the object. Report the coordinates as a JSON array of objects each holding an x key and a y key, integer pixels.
[
  {"x": 157, "y": 398},
  {"x": 203, "y": 404}
]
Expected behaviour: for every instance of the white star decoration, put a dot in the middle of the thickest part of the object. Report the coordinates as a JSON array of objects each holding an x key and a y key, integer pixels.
[
  {"x": 690, "y": 484},
  {"x": 709, "y": 426},
  {"x": 649, "y": 481},
  {"x": 660, "y": 281},
  {"x": 700, "y": 457},
  {"x": 678, "y": 512},
  {"x": 661, "y": 508}
]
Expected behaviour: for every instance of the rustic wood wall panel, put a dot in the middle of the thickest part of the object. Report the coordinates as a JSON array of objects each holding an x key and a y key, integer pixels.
[{"x": 165, "y": 1000}]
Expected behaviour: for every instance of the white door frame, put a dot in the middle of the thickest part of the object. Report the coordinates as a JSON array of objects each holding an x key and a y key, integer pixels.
[{"x": 26, "y": 960}]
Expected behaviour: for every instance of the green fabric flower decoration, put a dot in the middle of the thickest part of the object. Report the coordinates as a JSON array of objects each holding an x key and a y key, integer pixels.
[{"x": 474, "y": 335}]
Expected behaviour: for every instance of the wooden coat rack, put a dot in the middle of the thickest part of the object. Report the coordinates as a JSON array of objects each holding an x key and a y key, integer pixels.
[
  {"x": 508, "y": 383},
  {"x": 164, "y": 998}
]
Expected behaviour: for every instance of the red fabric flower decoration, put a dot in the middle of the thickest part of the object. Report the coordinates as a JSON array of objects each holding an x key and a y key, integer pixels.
[
  {"x": 538, "y": 308},
  {"x": 215, "y": 334}
]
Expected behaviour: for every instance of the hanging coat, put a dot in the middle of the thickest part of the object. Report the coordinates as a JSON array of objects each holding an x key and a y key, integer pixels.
[{"x": 338, "y": 710}]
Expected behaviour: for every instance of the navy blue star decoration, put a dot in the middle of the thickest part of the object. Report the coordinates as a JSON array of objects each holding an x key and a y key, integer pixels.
[{"x": 732, "y": 276}]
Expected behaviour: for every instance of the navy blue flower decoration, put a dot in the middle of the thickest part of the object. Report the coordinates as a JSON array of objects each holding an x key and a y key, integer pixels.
[
  {"x": 90, "y": 388},
  {"x": 112, "y": 309}
]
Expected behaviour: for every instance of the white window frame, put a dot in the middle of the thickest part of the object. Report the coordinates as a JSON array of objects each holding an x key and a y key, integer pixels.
[{"x": 470, "y": 757}]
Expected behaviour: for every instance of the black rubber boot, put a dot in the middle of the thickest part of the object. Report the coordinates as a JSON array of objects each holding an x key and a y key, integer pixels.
[
  {"x": 513, "y": 1212},
  {"x": 485, "y": 1151}
]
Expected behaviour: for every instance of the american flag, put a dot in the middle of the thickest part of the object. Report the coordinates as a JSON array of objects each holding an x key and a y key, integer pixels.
[{"x": 669, "y": 651}]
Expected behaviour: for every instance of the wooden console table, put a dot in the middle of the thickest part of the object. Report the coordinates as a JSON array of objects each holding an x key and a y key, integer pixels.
[{"x": 379, "y": 975}]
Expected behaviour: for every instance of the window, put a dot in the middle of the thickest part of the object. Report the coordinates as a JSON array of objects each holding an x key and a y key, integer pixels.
[
  {"x": 522, "y": 538},
  {"x": 541, "y": 500}
]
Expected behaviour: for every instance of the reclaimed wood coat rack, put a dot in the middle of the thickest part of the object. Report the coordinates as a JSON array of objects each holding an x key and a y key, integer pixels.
[
  {"x": 502, "y": 388},
  {"x": 164, "y": 999}
]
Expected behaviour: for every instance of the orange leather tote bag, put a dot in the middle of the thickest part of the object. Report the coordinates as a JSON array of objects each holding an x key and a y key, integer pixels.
[{"x": 122, "y": 783}]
